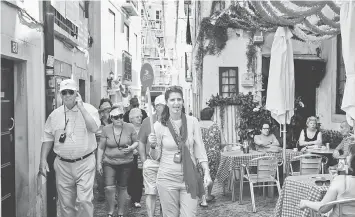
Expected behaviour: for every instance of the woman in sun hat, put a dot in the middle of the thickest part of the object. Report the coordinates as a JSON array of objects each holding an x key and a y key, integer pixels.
[{"x": 117, "y": 142}]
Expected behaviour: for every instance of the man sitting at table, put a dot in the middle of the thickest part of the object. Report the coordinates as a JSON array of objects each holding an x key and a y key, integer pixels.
[
  {"x": 342, "y": 150},
  {"x": 265, "y": 140},
  {"x": 342, "y": 187}
]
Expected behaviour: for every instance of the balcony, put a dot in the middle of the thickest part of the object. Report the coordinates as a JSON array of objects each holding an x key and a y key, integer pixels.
[
  {"x": 131, "y": 7},
  {"x": 65, "y": 29}
]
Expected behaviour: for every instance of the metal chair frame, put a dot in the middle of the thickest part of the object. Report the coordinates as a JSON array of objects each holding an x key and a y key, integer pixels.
[
  {"x": 308, "y": 159},
  {"x": 341, "y": 203},
  {"x": 267, "y": 169}
]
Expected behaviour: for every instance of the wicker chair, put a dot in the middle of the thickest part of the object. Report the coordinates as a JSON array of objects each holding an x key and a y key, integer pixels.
[
  {"x": 346, "y": 208},
  {"x": 309, "y": 164},
  {"x": 266, "y": 172}
]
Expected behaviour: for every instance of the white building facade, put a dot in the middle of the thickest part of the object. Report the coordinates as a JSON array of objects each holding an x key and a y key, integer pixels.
[
  {"x": 319, "y": 70},
  {"x": 164, "y": 25},
  {"x": 22, "y": 108},
  {"x": 116, "y": 50}
]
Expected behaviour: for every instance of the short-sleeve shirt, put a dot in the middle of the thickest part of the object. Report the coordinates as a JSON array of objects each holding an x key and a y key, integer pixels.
[
  {"x": 79, "y": 140},
  {"x": 145, "y": 131},
  {"x": 115, "y": 143}
]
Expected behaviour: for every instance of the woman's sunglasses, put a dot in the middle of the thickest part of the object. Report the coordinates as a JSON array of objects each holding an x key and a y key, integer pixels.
[
  {"x": 322, "y": 182},
  {"x": 120, "y": 116},
  {"x": 65, "y": 92}
]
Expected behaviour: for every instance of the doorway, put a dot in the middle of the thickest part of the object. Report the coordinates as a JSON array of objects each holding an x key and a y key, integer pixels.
[
  {"x": 306, "y": 82},
  {"x": 308, "y": 75},
  {"x": 7, "y": 139},
  {"x": 82, "y": 89}
]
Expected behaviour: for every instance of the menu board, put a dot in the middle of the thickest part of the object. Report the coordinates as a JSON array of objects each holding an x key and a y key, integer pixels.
[{"x": 127, "y": 67}]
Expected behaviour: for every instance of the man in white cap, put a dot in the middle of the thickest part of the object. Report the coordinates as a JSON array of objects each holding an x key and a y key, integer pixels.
[
  {"x": 71, "y": 129},
  {"x": 150, "y": 162}
]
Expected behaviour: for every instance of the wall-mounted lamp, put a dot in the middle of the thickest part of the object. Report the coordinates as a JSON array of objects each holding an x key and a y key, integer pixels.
[{"x": 109, "y": 80}]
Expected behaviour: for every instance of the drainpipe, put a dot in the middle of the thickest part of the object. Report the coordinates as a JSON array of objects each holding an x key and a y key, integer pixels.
[{"x": 48, "y": 18}]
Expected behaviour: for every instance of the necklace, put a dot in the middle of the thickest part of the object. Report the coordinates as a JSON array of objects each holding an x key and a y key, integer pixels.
[{"x": 114, "y": 136}]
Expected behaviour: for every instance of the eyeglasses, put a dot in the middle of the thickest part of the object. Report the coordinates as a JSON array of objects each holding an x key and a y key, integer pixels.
[
  {"x": 65, "y": 92},
  {"x": 174, "y": 87},
  {"x": 120, "y": 116},
  {"x": 322, "y": 182},
  {"x": 266, "y": 128}
]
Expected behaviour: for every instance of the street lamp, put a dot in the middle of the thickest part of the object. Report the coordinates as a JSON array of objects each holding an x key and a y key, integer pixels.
[{"x": 109, "y": 80}]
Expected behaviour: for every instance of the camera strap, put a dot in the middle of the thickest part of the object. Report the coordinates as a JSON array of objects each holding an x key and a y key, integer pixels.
[{"x": 65, "y": 120}]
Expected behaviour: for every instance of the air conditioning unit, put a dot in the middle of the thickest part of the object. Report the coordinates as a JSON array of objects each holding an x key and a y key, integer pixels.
[{"x": 258, "y": 38}]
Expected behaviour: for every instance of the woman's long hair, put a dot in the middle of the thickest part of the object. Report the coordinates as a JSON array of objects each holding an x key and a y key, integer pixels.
[{"x": 165, "y": 114}]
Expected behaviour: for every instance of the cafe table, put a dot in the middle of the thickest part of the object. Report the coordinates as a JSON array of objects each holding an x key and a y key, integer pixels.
[
  {"x": 231, "y": 161},
  {"x": 297, "y": 188},
  {"x": 323, "y": 151}
]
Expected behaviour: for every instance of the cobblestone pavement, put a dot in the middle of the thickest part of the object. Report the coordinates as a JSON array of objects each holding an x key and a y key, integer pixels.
[{"x": 221, "y": 207}]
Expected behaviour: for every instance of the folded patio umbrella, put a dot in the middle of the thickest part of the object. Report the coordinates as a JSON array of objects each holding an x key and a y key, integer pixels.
[
  {"x": 347, "y": 28},
  {"x": 281, "y": 82}
]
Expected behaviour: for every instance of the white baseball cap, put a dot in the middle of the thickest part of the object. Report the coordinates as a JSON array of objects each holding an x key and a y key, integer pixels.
[
  {"x": 68, "y": 84},
  {"x": 160, "y": 100},
  {"x": 117, "y": 111}
]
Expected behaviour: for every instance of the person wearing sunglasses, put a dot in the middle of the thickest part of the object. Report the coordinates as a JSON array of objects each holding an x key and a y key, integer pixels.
[
  {"x": 341, "y": 187},
  {"x": 70, "y": 130},
  {"x": 115, "y": 158},
  {"x": 178, "y": 136}
]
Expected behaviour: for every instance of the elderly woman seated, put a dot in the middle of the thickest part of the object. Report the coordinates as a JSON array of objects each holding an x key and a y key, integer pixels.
[
  {"x": 310, "y": 137},
  {"x": 342, "y": 187},
  {"x": 266, "y": 141},
  {"x": 342, "y": 150}
]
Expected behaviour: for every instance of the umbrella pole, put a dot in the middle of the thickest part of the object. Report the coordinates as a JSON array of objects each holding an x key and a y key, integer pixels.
[{"x": 284, "y": 149}]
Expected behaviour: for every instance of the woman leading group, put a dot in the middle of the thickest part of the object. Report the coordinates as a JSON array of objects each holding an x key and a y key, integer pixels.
[{"x": 178, "y": 138}]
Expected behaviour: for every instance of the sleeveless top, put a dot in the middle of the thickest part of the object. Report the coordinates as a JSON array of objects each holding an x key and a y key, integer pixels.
[
  {"x": 349, "y": 193},
  {"x": 306, "y": 139}
]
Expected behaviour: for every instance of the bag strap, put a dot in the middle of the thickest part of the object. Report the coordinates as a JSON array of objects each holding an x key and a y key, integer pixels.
[{"x": 177, "y": 138}]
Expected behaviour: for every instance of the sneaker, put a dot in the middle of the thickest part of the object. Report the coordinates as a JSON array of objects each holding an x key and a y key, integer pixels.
[{"x": 137, "y": 205}]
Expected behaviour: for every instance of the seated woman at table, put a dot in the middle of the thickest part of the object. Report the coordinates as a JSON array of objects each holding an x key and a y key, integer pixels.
[
  {"x": 342, "y": 187},
  {"x": 342, "y": 150},
  {"x": 310, "y": 137},
  {"x": 214, "y": 142},
  {"x": 265, "y": 140}
]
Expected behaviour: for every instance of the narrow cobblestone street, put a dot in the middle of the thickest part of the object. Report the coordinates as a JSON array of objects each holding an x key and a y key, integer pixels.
[{"x": 221, "y": 207}]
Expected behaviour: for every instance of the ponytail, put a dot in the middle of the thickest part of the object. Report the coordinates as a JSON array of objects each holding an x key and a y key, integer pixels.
[{"x": 165, "y": 116}]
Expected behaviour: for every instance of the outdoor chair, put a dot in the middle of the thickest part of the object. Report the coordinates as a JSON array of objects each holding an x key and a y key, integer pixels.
[
  {"x": 267, "y": 174},
  {"x": 346, "y": 208},
  {"x": 309, "y": 164}
]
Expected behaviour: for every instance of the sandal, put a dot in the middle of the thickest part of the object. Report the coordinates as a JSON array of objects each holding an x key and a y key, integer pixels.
[
  {"x": 204, "y": 206},
  {"x": 109, "y": 215}
]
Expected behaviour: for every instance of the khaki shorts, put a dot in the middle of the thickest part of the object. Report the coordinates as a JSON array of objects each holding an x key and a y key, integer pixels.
[{"x": 150, "y": 171}]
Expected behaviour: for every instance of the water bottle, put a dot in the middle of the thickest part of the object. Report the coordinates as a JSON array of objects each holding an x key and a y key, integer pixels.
[{"x": 341, "y": 167}]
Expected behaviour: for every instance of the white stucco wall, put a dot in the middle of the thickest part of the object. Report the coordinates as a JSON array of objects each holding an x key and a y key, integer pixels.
[
  {"x": 29, "y": 103},
  {"x": 326, "y": 93},
  {"x": 108, "y": 57},
  {"x": 233, "y": 55}
]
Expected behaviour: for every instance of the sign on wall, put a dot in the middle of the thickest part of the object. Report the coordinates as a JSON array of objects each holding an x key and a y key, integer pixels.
[
  {"x": 127, "y": 67},
  {"x": 247, "y": 80},
  {"x": 14, "y": 47}
]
